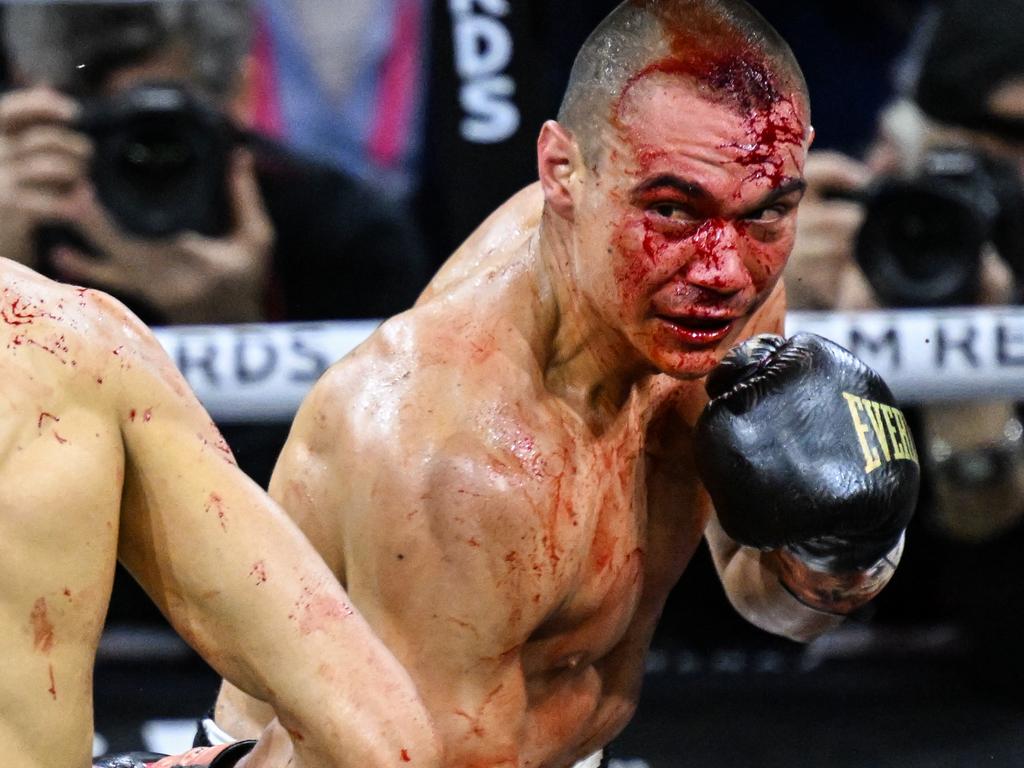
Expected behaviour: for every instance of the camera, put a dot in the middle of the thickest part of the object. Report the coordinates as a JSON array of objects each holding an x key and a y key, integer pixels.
[
  {"x": 161, "y": 160},
  {"x": 923, "y": 237}
]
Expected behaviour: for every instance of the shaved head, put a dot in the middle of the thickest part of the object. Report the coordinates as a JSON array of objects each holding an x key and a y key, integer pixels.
[{"x": 724, "y": 47}]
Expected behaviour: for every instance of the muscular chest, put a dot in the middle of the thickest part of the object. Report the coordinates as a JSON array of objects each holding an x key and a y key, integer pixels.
[{"x": 617, "y": 528}]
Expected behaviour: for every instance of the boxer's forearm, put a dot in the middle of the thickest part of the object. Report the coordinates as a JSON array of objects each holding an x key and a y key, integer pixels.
[
  {"x": 752, "y": 586},
  {"x": 754, "y": 589}
]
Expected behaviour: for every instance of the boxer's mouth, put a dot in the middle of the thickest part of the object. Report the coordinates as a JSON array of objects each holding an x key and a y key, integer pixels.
[{"x": 699, "y": 331}]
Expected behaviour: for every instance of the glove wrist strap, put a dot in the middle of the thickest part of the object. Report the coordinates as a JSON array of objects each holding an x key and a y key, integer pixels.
[{"x": 831, "y": 592}]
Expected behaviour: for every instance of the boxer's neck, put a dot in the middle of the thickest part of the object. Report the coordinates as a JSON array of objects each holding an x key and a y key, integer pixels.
[{"x": 587, "y": 362}]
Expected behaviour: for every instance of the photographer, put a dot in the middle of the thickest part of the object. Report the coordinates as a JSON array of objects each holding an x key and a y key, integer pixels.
[
  {"x": 932, "y": 217},
  {"x": 125, "y": 166},
  {"x": 122, "y": 167}
]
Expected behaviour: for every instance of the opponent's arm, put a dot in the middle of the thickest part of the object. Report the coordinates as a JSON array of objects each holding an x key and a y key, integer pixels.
[{"x": 239, "y": 581}]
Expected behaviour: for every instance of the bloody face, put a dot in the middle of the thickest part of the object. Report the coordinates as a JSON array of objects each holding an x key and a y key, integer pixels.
[{"x": 688, "y": 219}]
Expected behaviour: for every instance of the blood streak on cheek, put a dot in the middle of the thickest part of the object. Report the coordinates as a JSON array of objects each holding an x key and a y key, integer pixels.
[
  {"x": 768, "y": 259},
  {"x": 405, "y": 756},
  {"x": 639, "y": 248}
]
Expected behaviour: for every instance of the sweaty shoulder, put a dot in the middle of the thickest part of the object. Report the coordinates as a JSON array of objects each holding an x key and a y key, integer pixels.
[
  {"x": 425, "y": 375},
  {"x": 501, "y": 234}
]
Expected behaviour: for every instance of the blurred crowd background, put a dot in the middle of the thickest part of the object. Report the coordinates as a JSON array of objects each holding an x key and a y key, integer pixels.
[{"x": 235, "y": 161}]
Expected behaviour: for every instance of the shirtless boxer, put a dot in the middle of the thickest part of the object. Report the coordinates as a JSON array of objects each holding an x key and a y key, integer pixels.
[
  {"x": 505, "y": 478},
  {"x": 105, "y": 454}
]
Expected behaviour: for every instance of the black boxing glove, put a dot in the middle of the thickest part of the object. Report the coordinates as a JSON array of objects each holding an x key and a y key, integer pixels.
[{"x": 802, "y": 450}]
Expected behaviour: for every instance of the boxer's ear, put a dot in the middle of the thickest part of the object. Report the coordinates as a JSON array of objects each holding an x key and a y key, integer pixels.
[{"x": 557, "y": 156}]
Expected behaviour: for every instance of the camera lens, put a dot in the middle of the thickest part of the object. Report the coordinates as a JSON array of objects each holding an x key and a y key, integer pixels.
[
  {"x": 160, "y": 163},
  {"x": 155, "y": 156},
  {"x": 921, "y": 244}
]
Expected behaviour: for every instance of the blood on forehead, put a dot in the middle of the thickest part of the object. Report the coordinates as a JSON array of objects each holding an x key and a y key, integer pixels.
[{"x": 727, "y": 69}]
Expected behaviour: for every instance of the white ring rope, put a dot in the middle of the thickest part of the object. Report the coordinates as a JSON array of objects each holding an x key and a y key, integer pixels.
[{"x": 260, "y": 373}]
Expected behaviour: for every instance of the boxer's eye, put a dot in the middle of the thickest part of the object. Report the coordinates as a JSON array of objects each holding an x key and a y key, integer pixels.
[
  {"x": 674, "y": 211},
  {"x": 769, "y": 215}
]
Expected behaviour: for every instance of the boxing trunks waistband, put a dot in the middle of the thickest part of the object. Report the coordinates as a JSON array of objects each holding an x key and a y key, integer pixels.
[
  {"x": 222, "y": 756},
  {"x": 209, "y": 734}
]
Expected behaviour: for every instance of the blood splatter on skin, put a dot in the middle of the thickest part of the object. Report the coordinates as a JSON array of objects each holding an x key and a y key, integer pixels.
[
  {"x": 259, "y": 570},
  {"x": 405, "y": 756},
  {"x": 215, "y": 503},
  {"x": 316, "y": 613},
  {"x": 55, "y": 346},
  {"x": 15, "y": 311},
  {"x": 42, "y": 628},
  {"x": 220, "y": 445},
  {"x": 44, "y": 416},
  {"x": 53, "y": 684}
]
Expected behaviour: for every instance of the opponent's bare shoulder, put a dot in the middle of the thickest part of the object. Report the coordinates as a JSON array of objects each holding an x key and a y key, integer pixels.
[
  {"x": 85, "y": 340},
  {"x": 67, "y": 331}
]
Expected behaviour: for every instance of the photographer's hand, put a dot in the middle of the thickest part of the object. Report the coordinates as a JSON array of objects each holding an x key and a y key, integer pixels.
[
  {"x": 189, "y": 278},
  {"x": 43, "y": 162},
  {"x": 822, "y": 273}
]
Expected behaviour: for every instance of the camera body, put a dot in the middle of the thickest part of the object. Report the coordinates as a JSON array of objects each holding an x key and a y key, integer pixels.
[
  {"x": 161, "y": 160},
  {"x": 923, "y": 237}
]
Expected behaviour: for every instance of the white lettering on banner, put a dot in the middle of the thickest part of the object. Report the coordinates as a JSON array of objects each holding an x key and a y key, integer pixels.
[
  {"x": 494, "y": 7},
  {"x": 483, "y": 49},
  {"x": 262, "y": 372},
  {"x": 927, "y": 355},
  {"x": 258, "y": 372}
]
